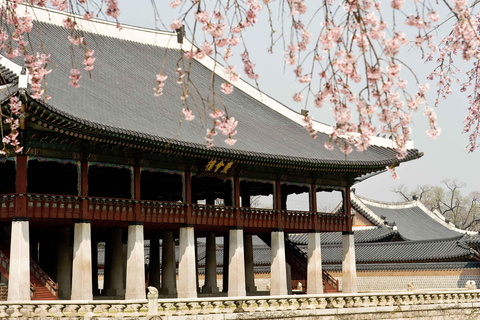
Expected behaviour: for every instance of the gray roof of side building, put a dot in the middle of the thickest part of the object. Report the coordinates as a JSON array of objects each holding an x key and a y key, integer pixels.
[
  {"x": 403, "y": 252},
  {"x": 366, "y": 235},
  {"x": 407, "y": 266},
  {"x": 380, "y": 252},
  {"x": 414, "y": 223},
  {"x": 412, "y": 219},
  {"x": 119, "y": 98}
]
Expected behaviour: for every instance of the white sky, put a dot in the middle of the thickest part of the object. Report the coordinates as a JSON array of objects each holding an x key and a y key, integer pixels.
[{"x": 444, "y": 157}]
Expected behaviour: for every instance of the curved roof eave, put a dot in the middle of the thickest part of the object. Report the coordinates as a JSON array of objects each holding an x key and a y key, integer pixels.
[{"x": 361, "y": 166}]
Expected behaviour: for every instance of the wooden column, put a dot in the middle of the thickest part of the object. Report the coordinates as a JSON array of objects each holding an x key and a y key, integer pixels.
[
  {"x": 313, "y": 198},
  {"x": 187, "y": 196},
  {"x": 313, "y": 205},
  {"x": 236, "y": 201},
  {"x": 347, "y": 207},
  {"x": 277, "y": 203},
  {"x": 21, "y": 186},
  {"x": 83, "y": 192},
  {"x": 136, "y": 192}
]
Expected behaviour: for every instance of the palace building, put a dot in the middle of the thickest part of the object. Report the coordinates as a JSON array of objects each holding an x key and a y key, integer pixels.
[{"x": 109, "y": 162}]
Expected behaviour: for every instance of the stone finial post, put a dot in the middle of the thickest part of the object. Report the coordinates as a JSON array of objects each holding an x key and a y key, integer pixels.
[{"x": 152, "y": 297}]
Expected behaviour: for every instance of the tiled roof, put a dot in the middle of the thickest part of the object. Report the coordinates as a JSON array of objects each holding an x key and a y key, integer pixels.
[
  {"x": 473, "y": 240},
  {"x": 402, "y": 251},
  {"x": 381, "y": 252},
  {"x": 413, "y": 223},
  {"x": 119, "y": 100},
  {"x": 7, "y": 77},
  {"x": 367, "y": 235},
  {"x": 407, "y": 266}
]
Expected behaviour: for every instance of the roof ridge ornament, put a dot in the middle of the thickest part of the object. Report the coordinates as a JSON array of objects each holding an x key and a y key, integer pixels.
[
  {"x": 180, "y": 34},
  {"x": 23, "y": 78}
]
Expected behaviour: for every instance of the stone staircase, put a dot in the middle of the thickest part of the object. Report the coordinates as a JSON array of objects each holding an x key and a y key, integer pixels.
[{"x": 42, "y": 287}]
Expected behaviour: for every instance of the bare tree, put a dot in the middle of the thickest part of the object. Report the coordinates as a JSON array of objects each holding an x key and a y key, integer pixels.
[{"x": 447, "y": 199}]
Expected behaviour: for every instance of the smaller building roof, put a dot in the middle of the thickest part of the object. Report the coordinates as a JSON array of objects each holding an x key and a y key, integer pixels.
[
  {"x": 413, "y": 220},
  {"x": 403, "y": 251},
  {"x": 377, "y": 234}
]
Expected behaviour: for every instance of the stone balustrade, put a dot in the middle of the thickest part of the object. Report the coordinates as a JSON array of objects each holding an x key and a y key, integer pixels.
[{"x": 463, "y": 302}]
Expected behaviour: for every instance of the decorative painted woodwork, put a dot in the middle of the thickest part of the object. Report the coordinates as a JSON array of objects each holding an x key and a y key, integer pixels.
[{"x": 110, "y": 209}]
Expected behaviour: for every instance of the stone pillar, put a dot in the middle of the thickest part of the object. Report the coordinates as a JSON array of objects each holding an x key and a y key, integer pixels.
[
  {"x": 196, "y": 265},
  {"x": 278, "y": 273},
  {"x": 135, "y": 284},
  {"x": 226, "y": 241},
  {"x": 314, "y": 264},
  {"x": 187, "y": 273},
  {"x": 249, "y": 271},
  {"x": 210, "y": 265},
  {"x": 349, "y": 271},
  {"x": 289, "y": 279},
  {"x": 95, "y": 288},
  {"x": 19, "y": 274},
  {"x": 64, "y": 264},
  {"x": 154, "y": 262},
  {"x": 169, "y": 274},
  {"x": 82, "y": 262},
  {"x": 114, "y": 282},
  {"x": 236, "y": 264}
]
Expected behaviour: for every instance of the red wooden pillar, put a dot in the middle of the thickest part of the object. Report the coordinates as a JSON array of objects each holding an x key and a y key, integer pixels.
[
  {"x": 83, "y": 192},
  {"x": 347, "y": 208},
  {"x": 313, "y": 206},
  {"x": 277, "y": 204},
  {"x": 187, "y": 197},
  {"x": 136, "y": 196},
  {"x": 236, "y": 201},
  {"x": 21, "y": 186}
]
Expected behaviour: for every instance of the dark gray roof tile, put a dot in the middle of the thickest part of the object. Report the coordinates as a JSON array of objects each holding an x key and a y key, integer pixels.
[
  {"x": 413, "y": 223},
  {"x": 368, "y": 235},
  {"x": 119, "y": 98}
]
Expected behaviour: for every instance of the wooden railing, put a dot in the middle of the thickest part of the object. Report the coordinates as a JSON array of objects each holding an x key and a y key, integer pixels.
[
  {"x": 46, "y": 281},
  {"x": 75, "y": 207},
  {"x": 296, "y": 251},
  {"x": 327, "y": 278},
  {"x": 4, "y": 270}
]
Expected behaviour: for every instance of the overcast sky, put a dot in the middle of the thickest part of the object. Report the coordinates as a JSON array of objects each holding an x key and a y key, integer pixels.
[{"x": 444, "y": 157}]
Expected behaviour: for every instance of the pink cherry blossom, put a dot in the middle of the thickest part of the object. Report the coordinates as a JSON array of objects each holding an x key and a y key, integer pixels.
[
  {"x": 298, "y": 97},
  {"x": 175, "y": 3},
  {"x": 226, "y": 88},
  {"x": 176, "y": 24},
  {"x": 74, "y": 78},
  {"x": 188, "y": 114},
  {"x": 89, "y": 60},
  {"x": 76, "y": 40},
  {"x": 112, "y": 8},
  {"x": 160, "y": 84}
]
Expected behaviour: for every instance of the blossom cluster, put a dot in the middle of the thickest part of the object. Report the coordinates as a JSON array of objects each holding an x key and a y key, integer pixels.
[
  {"x": 10, "y": 141},
  {"x": 226, "y": 125}
]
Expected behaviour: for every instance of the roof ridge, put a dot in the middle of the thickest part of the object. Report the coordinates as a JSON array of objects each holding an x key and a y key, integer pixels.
[{"x": 397, "y": 204}]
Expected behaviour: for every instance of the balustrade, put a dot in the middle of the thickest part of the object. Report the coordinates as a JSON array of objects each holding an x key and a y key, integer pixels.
[
  {"x": 245, "y": 307},
  {"x": 7, "y": 205},
  {"x": 76, "y": 207}
]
